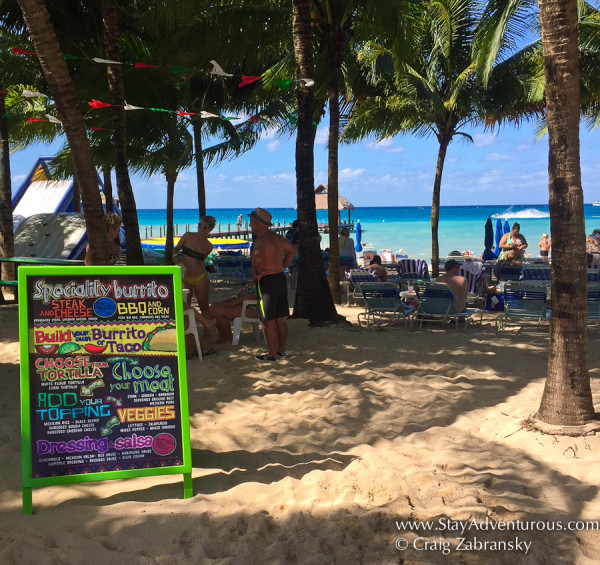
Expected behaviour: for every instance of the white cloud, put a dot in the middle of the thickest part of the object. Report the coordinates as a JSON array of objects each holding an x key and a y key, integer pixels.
[
  {"x": 451, "y": 159},
  {"x": 322, "y": 136},
  {"x": 484, "y": 139},
  {"x": 499, "y": 157},
  {"x": 17, "y": 179},
  {"x": 273, "y": 146},
  {"x": 524, "y": 147},
  {"x": 386, "y": 145},
  {"x": 491, "y": 177},
  {"x": 347, "y": 174}
]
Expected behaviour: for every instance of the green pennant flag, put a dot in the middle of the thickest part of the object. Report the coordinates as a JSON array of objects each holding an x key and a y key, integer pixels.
[
  {"x": 314, "y": 124},
  {"x": 293, "y": 119},
  {"x": 177, "y": 70},
  {"x": 8, "y": 116},
  {"x": 159, "y": 110},
  {"x": 230, "y": 118},
  {"x": 282, "y": 84},
  {"x": 70, "y": 57}
]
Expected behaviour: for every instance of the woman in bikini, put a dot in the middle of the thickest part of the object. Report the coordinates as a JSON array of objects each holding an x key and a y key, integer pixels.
[{"x": 190, "y": 252}]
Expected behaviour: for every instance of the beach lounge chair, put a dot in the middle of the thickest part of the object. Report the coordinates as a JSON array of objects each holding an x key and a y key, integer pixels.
[
  {"x": 412, "y": 270},
  {"x": 257, "y": 325},
  {"x": 437, "y": 304},
  {"x": 357, "y": 277},
  {"x": 593, "y": 304},
  {"x": 382, "y": 303},
  {"x": 523, "y": 302},
  {"x": 227, "y": 269},
  {"x": 474, "y": 272},
  {"x": 508, "y": 272},
  {"x": 537, "y": 273}
]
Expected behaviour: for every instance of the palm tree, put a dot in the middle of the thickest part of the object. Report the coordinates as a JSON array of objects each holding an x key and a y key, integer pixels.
[
  {"x": 433, "y": 92},
  {"x": 117, "y": 99},
  {"x": 61, "y": 87},
  {"x": 313, "y": 298},
  {"x": 567, "y": 397}
]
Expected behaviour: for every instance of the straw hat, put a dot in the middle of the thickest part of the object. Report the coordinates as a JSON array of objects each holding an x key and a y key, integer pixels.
[{"x": 262, "y": 216}]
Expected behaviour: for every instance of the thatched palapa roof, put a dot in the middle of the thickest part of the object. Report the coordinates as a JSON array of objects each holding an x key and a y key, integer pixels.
[{"x": 321, "y": 199}]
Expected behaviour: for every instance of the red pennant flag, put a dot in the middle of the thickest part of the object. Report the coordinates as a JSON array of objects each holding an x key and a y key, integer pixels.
[
  {"x": 145, "y": 66},
  {"x": 97, "y": 129},
  {"x": 3, "y": 91},
  {"x": 254, "y": 119},
  {"x": 19, "y": 51},
  {"x": 186, "y": 113},
  {"x": 33, "y": 120},
  {"x": 96, "y": 104},
  {"x": 246, "y": 80}
]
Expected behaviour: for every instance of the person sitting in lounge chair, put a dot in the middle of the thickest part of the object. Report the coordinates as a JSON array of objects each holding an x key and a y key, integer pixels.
[
  {"x": 226, "y": 311},
  {"x": 377, "y": 268},
  {"x": 458, "y": 284}
]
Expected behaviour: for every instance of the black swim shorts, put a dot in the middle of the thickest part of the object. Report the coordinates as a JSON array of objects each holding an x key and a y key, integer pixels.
[
  {"x": 273, "y": 300},
  {"x": 543, "y": 253}
]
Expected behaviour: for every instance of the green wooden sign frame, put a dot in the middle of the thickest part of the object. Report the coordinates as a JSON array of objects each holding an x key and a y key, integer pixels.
[{"x": 146, "y": 273}]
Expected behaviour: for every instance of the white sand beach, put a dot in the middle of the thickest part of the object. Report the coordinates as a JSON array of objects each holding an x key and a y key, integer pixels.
[{"x": 318, "y": 458}]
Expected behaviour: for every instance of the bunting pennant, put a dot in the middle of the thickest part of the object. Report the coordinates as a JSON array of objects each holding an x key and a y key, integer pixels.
[
  {"x": 96, "y": 104},
  {"x": 159, "y": 110},
  {"x": 293, "y": 119},
  {"x": 205, "y": 115},
  {"x": 52, "y": 119},
  {"x": 70, "y": 57},
  {"x": 282, "y": 84},
  {"x": 308, "y": 82},
  {"x": 32, "y": 94},
  {"x": 177, "y": 70},
  {"x": 105, "y": 61},
  {"x": 254, "y": 119},
  {"x": 3, "y": 91},
  {"x": 217, "y": 70},
  {"x": 144, "y": 66},
  {"x": 246, "y": 80},
  {"x": 19, "y": 51},
  {"x": 97, "y": 129},
  {"x": 34, "y": 120},
  {"x": 130, "y": 107},
  {"x": 182, "y": 114}
]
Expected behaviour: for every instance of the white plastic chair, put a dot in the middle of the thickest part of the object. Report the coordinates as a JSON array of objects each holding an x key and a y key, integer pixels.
[
  {"x": 188, "y": 314},
  {"x": 256, "y": 324}
]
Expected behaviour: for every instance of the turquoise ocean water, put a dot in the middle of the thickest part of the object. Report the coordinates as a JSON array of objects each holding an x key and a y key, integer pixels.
[{"x": 461, "y": 228}]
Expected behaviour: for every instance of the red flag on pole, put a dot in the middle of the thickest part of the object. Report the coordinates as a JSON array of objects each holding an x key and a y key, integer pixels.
[
  {"x": 33, "y": 120},
  {"x": 19, "y": 51},
  {"x": 145, "y": 66},
  {"x": 246, "y": 80}
]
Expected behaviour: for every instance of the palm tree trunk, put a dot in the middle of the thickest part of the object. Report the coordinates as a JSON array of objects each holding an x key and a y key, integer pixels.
[
  {"x": 333, "y": 273},
  {"x": 313, "y": 299},
  {"x": 171, "y": 179},
  {"x": 567, "y": 397},
  {"x": 444, "y": 140},
  {"x": 117, "y": 112},
  {"x": 77, "y": 196},
  {"x": 61, "y": 87},
  {"x": 7, "y": 239},
  {"x": 197, "y": 129},
  {"x": 108, "y": 188}
]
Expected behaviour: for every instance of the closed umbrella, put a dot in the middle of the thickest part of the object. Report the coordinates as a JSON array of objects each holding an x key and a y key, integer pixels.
[
  {"x": 499, "y": 234},
  {"x": 488, "y": 241},
  {"x": 506, "y": 226},
  {"x": 358, "y": 246}
]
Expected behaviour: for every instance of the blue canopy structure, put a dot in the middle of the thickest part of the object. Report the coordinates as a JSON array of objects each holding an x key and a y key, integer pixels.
[{"x": 358, "y": 229}]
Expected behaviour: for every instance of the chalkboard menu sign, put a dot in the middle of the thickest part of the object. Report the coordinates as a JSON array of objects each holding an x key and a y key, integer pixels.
[{"x": 103, "y": 381}]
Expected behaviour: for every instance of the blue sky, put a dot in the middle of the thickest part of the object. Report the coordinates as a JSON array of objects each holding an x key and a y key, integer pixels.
[{"x": 505, "y": 167}]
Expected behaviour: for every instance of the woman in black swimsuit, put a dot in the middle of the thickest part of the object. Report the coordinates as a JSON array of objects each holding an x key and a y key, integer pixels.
[{"x": 190, "y": 252}]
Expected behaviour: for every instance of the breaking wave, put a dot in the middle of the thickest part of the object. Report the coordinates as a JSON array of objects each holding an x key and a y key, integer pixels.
[{"x": 529, "y": 213}]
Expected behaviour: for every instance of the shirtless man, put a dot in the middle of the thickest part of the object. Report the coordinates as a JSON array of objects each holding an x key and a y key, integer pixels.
[
  {"x": 270, "y": 256},
  {"x": 458, "y": 284}
]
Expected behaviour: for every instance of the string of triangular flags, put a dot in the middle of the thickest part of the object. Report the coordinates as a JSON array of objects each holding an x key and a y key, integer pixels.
[{"x": 216, "y": 70}]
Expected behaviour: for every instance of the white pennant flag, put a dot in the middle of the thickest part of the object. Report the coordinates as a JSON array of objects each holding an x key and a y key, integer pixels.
[
  {"x": 52, "y": 119},
  {"x": 204, "y": 114},
  {"x": 32, "y": 94},
  {"x": 107, "y": 61},
  {"x": 217, "y": 70},
  {"x": 130, "y": 107},
  {"x": 307, "y": 82}
]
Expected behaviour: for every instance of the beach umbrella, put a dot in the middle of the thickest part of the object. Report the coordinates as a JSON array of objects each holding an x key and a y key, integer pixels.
[
  {"x": 499, "y": 234},
  {"x": 358, "y": 236},
  {"x": 506, "y": 226},
  {"x": 488, "y": 240}
]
